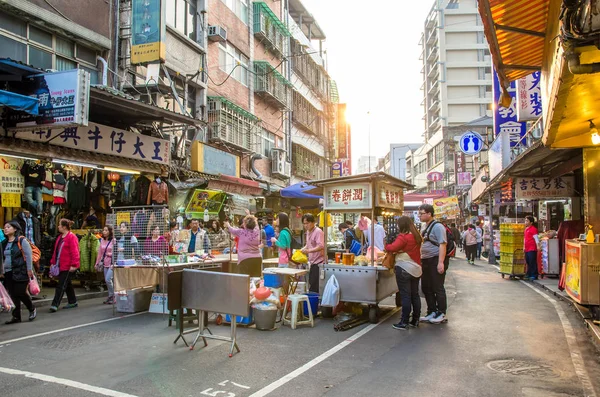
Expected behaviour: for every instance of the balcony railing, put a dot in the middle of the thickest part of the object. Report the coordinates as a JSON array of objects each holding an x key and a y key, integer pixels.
[
  {"x": 232, "y": 124},
  {"x": 269, "y": 29},
  {"x": 270, "y": 84}
]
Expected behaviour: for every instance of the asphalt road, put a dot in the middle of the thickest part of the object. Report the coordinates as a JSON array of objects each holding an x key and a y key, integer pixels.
[{"x": 502, "y": 339}]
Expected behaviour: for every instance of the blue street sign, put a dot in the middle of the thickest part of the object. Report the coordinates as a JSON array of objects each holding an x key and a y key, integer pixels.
[{"x": 471, "y": 143}]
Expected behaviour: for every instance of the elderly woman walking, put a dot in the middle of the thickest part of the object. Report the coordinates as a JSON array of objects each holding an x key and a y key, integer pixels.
[{"x": 66, "y": 256}]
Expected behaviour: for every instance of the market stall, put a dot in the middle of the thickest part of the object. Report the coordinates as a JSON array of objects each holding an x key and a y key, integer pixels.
[{"x": 379, "y": 196}]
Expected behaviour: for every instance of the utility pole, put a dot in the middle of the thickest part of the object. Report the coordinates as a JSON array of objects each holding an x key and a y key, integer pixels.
[{"x": 369, "y": 159}]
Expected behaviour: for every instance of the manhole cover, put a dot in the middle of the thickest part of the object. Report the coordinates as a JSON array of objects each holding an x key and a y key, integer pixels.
[
  {"x": 523, "y": 368},
  {"x": 75, "y": 341}
]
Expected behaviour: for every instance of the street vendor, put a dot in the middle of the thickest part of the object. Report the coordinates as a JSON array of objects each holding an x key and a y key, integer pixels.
[
  {"x": 198, "y": 239},
  {"x": 314, "y": 248}
]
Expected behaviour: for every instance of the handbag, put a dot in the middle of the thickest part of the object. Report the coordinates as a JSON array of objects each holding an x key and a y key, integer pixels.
[
  {"x": 389, "y": 260},
  {"x": 100, "y": 264},
  {"x": 6, "y": 303},
  {"x": 34, "y": 287},
  {"x": 55, "y": 269}
]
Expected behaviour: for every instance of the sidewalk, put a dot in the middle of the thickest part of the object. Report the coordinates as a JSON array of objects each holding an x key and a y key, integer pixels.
[{"x": 44, "y": 298}]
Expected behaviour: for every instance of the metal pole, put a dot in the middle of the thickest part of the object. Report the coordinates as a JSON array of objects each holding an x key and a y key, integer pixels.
[
  {"x": 492, "y": 254},
  {"x": 369, "y": 116}
]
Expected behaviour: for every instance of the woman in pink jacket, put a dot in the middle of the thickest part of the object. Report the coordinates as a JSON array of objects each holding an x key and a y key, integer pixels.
[
  {"x": 104, "y": 261},
  {"x": 66, "y": 255}
]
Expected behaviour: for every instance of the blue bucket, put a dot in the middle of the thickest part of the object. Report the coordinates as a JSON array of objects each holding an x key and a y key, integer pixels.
[
  {"x": 273, "y": 280},
  {"x": 313, "y": 298}
]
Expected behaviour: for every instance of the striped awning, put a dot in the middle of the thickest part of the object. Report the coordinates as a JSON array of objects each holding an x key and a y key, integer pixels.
[{"x": 516, "y": 33}]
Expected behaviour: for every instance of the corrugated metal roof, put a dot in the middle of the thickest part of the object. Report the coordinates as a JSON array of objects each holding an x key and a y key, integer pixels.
[{"x": 515, "y": 31}]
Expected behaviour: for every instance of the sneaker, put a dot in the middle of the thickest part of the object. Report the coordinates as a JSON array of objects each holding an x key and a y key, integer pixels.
[
  {"x": 13, "y": 321},
  {"x": 70, "y": 306},
  {"x": 428, "y": 317},
  {"x": 414, "y": 322},
  {"x": 53, "y": 309},
  {"x": 441, "y": 318},
  {"x": 32, "y": 314},
  {"x": 401, "y": 326}
]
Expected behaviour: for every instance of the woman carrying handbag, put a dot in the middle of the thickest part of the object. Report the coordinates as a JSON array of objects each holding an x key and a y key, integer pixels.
[
  {"x": 17, "y": 267},
  {"x": 407, "y": 247},
  {"x": 104, "y": 261},
  {"x": 66, "y": 258}
]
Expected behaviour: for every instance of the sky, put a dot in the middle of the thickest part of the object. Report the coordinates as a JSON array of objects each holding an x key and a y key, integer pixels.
[{"x": 373, "y": 55}]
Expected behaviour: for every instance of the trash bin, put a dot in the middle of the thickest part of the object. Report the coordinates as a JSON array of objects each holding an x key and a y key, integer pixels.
[
  {"x": 264, "y": 319},
  {"x": 313, "y": 298}
]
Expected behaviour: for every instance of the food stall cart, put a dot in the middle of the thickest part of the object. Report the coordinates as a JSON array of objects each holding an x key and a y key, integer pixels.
[{"x": 379, "y": 195}]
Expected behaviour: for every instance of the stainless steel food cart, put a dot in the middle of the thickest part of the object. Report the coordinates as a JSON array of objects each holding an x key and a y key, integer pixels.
[{"x": 371, "y": 194}]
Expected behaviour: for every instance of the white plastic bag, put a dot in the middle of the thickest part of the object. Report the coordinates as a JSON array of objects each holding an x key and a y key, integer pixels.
[{"x": 331, "y": 293}]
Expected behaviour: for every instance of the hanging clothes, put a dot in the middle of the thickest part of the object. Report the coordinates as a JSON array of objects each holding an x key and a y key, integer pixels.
[
  {"x": 76, "y": 194},
  {"x": 158, "y": 193},
  {"x": 59, "y": 186},
  {"x": 142, "y": 185},
  {"x": 88, "y": 251}
]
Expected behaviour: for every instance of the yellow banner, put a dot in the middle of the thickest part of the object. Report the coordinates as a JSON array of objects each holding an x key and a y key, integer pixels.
[
  {"x": 572, "y": 271},
  {"x": 123, "y": 217},
  {"x": 446, "y": 207},
  {"x": 11, "y": 200},
  {"x": 206, "y": 199},
  {"x": 148, "y": 31}
]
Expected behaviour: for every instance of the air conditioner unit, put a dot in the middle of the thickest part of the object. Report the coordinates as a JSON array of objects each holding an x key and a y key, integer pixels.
[
  {"x": 279, "y": 165},
  {"x": 214, "y": 133},
  {"x": 217, "y": 33}
]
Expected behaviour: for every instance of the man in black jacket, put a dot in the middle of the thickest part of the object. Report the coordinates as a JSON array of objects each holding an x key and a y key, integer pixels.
[
  {"x": 34, "y": 174},
  {"x": 30, "y": 226}
]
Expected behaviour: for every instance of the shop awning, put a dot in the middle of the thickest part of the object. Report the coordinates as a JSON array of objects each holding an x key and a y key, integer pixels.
[
  {"x": 233, "y": 185},
  {"x": 516, "y": 33},
  {"x": 19, "y": 147},
  {"x": 111, "y": 104},
  {"x": 537, "y": 161},
  {"x": 299, "y": 191},
  {"x": 19, "y": 102}
]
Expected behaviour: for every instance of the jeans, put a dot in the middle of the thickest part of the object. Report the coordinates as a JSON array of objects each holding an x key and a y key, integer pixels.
[
  {"x": 64, "y": 285},
  {"x": 432, "y": 284},
  {"x": 532, "y": 266},
  {"x": 409, "y": 293},
  {"x": 108, "y": 278},
  {"x": 471, "y": 251},
  {"x": 18, "y": 293},
  {"x": 33, "y": 196},
  {"x": 479, "y": 245}
]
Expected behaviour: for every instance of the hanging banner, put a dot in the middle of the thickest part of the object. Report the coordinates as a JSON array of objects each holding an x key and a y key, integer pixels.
[
  {"x": 534, "y": 188},
  {"x": 11, "y": 200},
  {"x": 342, "y": 132},
  {"x": 212, "y": 200},
  {"x": 149, "y": 32},
  {"x": 529, "y": 97},
  {"x": 389, "y": 196},
  {"x": 459, "y": 164},
  {"x": 11, "y": 181},
  {"x": 446, "y": 208},
  {"x": 348, "y": 197},
  {"x": 505, "y": 119},
  {"x": 435, "y": 176},
  {"x": 336, "y": 169},
  {"x": 463, "y": 179},
  {"x": 100, "y": 138},
  {"x": 64, "y": 100}
]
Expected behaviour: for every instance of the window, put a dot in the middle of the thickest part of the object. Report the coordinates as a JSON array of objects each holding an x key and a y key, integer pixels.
[
  {"x": 430, "y": 161},
  {"x": 239, "y": 8},
  {"x": 181, "y": 15},
  {"x": 438, "y": 153},
  {"x": 29, "y": 44},
  {"x": 267, "y": 143},
  {"x": 229, "y": 58}
]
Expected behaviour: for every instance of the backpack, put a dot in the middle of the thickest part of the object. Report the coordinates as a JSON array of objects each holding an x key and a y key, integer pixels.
[
  {"x": 36, "y": 254},
  {"x": 450, "y": 245},
  {"x": 356, "y": 247}
]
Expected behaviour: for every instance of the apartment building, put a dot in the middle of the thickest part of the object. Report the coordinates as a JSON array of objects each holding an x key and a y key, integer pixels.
[
  {"x": 367, "y": 164},
  {"x": 457, "y": 85},
  {"x": 394, "y": 162}
]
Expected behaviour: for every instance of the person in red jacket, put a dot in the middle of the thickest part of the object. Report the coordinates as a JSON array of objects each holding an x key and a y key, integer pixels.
[
  {"x": 66, "y": 255},
  {"x": 407, "y": 247}
]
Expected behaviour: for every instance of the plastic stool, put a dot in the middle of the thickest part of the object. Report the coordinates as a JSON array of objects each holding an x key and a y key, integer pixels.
[{"x": 296, "y": 302}]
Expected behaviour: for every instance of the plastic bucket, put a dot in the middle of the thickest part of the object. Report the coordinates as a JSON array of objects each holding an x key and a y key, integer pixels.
[
  {"x": 273, "y": 280},
  {"x": 264, "y": 319},
  {"x": 313, "y": 298}
]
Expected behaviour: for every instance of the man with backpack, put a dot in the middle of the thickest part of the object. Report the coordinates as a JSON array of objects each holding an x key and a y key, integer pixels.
[
  {"x": 438, "y": 245},
  {"x": 351, "y": 242}
]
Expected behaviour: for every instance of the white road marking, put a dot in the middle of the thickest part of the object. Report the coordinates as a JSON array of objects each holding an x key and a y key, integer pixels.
[
  {"x": 294, "y": 374},
  {"x": 66, "y": 382},
  {"x": 588, "y": 387},
  {"x": 68, "y": 328}
]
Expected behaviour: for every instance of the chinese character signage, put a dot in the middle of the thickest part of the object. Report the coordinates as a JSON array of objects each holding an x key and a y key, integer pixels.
[
  {"x": 355, "y": 196},
  {"x": 540, "y": 187},
  {"x": 210, "y": 160},
  {"x": 336, "y": 169},
  {"x": 463, "y": 179},
  {"x": 459, "y": 163},
  {"x": 507, "y": 192},
  {"x": 11, "y": 181},
  {"x": 505, "y": 119},
  {"x": 99, "y": 138},
  {"x": 63, "y": 97},
  {"x": 389, "y": 196},
  {"x": 148, "y": 31},
  {"x": 529, "y": 97},
  {"x": 212, "y": 200},
  {"x": 573, "y": 270},
  {"x": 446, "y": 208},
  {"x": 342, "y": 132},
  {"x": 11, "y": 200}
]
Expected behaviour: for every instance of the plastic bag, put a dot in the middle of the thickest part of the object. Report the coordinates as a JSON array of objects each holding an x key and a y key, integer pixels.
[
  {"x": 331, "y": 293},
  {"x": 34, "y": 287},
  {"x": 299, "y": 257},
  {"x": 6, "y": 303}
]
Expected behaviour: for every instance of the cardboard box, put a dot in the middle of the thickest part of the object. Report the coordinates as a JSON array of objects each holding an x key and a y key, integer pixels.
[{"x": 134, "y": 300}]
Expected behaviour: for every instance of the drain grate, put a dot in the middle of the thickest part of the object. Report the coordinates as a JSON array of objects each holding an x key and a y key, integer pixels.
[
  {"x": 75, "y": 341},
  {"x": 523, "y": 368}
]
